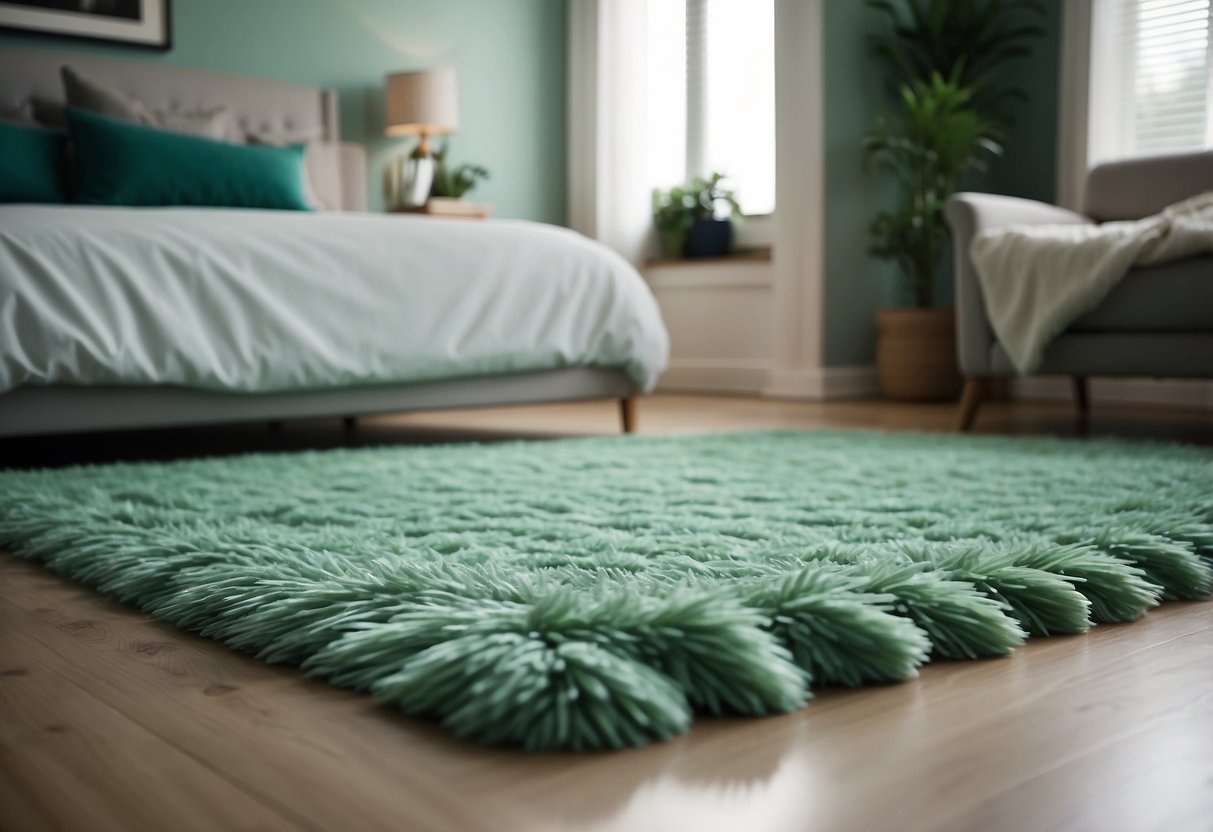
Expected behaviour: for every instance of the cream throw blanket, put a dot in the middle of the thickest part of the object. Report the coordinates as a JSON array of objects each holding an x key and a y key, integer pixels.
[{"x": 1037, "y": 279}]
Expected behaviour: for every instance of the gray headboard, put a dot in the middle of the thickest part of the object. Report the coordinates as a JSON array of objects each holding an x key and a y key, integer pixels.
[{"x": 29, "y": 79}]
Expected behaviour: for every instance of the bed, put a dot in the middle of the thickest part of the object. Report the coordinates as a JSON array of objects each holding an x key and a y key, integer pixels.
[{"x": 117, "y": 318}]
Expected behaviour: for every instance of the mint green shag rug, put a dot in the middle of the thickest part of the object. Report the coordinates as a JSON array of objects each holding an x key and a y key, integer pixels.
[{"x": 597, "y": 593}]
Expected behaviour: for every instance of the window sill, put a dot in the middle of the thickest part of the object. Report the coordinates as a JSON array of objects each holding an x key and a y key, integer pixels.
[{"x": 761, "y": 254}]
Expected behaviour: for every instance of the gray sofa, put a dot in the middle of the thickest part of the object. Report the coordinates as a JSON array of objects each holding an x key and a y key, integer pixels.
[{"x": 1156, "y": 322}]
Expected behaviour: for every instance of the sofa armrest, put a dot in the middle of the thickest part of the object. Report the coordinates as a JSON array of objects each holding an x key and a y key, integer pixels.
[
  {"x": 969, "y": 214},
  {"x": 353, "y": 177}
]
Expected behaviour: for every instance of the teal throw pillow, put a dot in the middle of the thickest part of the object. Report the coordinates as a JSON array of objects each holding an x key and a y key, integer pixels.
[
  {"x": 119, "y": 163},
  {"x": 30, "y": 164}
]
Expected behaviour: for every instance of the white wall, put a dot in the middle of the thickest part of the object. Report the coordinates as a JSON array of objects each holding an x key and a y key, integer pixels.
[{"x": 721, "y": 315}]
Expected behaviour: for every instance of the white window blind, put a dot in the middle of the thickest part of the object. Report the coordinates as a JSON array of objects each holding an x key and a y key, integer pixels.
[
  {"x": 1152, "y": 77},
  {"x": 712, "y": 95}
]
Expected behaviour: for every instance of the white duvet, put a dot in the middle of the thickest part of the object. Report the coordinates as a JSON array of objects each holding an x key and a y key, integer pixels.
[{"x": 261, "y": 301}]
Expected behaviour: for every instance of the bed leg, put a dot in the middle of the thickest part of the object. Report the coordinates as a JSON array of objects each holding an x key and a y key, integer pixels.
[{"x": 627, "y": 414}]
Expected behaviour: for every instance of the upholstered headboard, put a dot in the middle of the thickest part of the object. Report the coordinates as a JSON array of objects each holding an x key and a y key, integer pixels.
[{"x": 30, "y": 82}]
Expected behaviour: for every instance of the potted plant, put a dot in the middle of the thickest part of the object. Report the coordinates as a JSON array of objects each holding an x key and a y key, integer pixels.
[
  {"x": 935, "y": 139},
  {"x": 695, "y": 219},
  {"x": 943, "y": 129},
  {"x": 454, "y": 181}
]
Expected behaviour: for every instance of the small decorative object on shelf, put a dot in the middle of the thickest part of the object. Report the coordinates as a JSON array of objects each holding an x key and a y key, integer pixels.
[
  {"x": 445, "y": 197},
  {"x": 695, "y": 220}
]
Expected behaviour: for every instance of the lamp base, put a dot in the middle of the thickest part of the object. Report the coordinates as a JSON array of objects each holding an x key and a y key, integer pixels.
[{"x": 416, "y": 180}]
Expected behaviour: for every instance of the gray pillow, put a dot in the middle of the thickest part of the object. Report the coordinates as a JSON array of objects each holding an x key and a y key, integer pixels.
[
  {"x": 22, "y": 114},
  {"x": 87, "y": 94}
]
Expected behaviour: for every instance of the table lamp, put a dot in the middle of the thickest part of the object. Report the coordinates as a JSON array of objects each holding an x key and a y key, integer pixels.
[{"x": 424, "y": 103}]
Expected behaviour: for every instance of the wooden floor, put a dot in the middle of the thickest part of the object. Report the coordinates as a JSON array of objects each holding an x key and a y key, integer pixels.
[
  {"x": 111, "y": 720},
  {"x": 657, "y": 414}
]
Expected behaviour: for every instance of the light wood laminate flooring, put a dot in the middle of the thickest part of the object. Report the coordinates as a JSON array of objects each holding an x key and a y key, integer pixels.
[{"x": 110, "y": 720}]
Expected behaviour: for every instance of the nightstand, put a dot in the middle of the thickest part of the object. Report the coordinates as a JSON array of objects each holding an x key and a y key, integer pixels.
[{"x": 444, "y": 207}]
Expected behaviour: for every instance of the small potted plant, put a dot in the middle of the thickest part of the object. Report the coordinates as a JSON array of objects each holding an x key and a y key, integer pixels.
[
  {"x": 455, "y": 181},
  {"x": 695, "y": 219},
  {"x": 936, "y": 138}
]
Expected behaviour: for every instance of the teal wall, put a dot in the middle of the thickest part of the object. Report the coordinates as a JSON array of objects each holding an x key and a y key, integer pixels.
[
  {"x": 855, "y": 92},
  {"x": 510, "y": 55}
]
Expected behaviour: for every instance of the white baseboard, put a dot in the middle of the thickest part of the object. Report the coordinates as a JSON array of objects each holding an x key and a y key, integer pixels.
[
  {"x": 822, "y": 384},
  {"x": 1186, "y": 393},
  {"x": 685, "y": 375},
  {"x": 758, "y": 378}
]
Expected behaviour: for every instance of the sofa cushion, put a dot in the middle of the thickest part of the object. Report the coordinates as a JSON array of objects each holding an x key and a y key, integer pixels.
[{"x": 1177, "y": 297}]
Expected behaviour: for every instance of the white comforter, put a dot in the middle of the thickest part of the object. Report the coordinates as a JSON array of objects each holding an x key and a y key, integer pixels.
[
  {"x": 271, "y": 301},
  {"x": 1038, "y": 279}
]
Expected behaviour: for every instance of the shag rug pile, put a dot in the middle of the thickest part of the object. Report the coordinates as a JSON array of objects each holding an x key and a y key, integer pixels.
[{"x": 596, "y": 593}]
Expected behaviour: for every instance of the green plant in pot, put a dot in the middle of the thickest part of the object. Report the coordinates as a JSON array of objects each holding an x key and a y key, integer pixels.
[
  {"x": 934, "y": 139},
  {"x": 455, "y": 181},
  {"x": 695, "y": 219},
  {"x": 943, "y": 130}
]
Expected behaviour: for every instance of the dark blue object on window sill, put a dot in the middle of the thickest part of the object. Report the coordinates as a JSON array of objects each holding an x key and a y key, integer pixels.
[{"x": 710, "y": 238}]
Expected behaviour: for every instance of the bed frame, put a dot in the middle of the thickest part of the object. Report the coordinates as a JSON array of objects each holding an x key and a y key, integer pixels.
[
  {"x": 63, "y": 409},
  {"x": 30, "y": 84}
]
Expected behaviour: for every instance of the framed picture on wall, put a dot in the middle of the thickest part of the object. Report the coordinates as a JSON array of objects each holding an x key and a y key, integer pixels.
[{"x": 141, "y": 23}]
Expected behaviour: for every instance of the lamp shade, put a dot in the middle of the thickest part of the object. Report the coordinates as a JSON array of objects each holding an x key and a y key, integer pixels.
[{"x": 425, "y": 102}]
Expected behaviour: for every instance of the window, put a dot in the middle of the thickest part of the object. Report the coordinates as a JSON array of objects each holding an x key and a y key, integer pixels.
[
  {"x": 711, "y": 101},
  {"x": 1152, "y": 77}
]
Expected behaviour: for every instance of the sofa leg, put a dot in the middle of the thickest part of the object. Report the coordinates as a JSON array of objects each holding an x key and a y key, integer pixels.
[
  {"x": 970, "y": 401},
  {"x": 627, "y": 414},
  {"x": 1081, "y": 397}
]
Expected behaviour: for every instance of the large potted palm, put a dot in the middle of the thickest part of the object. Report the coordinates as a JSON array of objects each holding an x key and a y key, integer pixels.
[
  {"x": 935, "y": 139},
  {"x": 946, "y": 62}
]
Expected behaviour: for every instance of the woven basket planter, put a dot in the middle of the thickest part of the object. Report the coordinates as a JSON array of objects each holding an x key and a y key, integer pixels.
[{"x": 916, "y": 353}]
